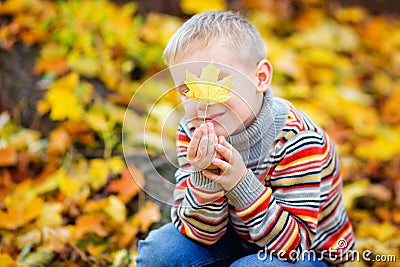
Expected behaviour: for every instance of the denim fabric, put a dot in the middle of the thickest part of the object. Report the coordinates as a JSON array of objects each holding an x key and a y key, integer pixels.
[{"x": 167, "y": 247}]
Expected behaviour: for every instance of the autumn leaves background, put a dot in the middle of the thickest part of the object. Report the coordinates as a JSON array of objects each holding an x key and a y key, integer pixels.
[{"x": 67, "y": 197}]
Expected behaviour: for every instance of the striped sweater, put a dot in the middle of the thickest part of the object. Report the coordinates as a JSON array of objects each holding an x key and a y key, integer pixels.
[{"x": 291, "y": 199}]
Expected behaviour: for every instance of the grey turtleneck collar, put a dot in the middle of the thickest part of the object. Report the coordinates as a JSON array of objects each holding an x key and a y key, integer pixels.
[{"x": 255, "y": 142}]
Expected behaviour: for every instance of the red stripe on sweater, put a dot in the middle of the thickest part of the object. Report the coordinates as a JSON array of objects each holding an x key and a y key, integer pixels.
[{"x": 303, "y": 153}]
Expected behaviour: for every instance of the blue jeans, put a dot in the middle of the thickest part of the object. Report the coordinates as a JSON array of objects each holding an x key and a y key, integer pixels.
[{"x": 167, "y": 247}]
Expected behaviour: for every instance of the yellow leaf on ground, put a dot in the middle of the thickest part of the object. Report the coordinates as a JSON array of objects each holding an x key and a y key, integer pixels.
[
  {"x": 42, "y": 107},
  {"x": 72, "y": 184},
  {"x": 146, "y": 216},
  {"x": 128, "y": 232},
  {"x": 116, "y": 165},
  {"x": 7, "y": 261},
  {"x": 96, "y": 250},
  {"x": 63, "y": 99},
  {"x": 12, "y": 7},
  {"x": 87, "y": 66},
  {"x": 57, "y": 66},
  {"x": 158, "y": 28},
  {"x": 126, "y": 187},
  {"x": 68, "y": 185},
  {"x": 98, "y": 121},
  {"x": 194, "y": 7},
  {"x": 390, "y": 110},
  {"x": 8, "y": 157},
  {"x": 50, "y": 215},
  {"x": 98, "y": 171},
  {"x": 354, "y": 190},
  {"x": 59, "y": 141},
  {"x": 20, "y": 213},
  {"x": 382, "y": 232},
  {"x": 351, "y": 14},
  {"x": 79, "y": 131},
  {"x": 91, "y": 223},
  {"x": 384, "y": 146},
  {"x": 116, "y": 209}
]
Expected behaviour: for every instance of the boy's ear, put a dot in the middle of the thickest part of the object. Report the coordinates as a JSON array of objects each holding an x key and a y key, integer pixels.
[{"x": 264, "y": 75}]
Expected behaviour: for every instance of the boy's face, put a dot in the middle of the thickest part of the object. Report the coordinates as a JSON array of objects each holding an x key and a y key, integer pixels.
[{"x": 237, "y": 113}]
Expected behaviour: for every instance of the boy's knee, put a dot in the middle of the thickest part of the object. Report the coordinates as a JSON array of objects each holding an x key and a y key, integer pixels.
[{"x": 160, "y": 247}]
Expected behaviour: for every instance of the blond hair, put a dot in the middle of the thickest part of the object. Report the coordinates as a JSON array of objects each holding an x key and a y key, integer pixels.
[{"x": 202, "y": 29}]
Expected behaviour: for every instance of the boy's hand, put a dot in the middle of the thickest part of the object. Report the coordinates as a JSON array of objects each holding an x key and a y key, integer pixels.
[
  {"x": 201, "y": 150},
  {"x": 233, "y": 169}
]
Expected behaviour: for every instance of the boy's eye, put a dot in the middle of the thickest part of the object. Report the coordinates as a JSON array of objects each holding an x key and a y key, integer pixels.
[{"x": 185, "y": 91}]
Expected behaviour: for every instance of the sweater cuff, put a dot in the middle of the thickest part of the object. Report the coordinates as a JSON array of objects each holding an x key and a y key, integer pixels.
[
  {"x": 198, "y": 179},
  {"x": 246, "y": 191}
]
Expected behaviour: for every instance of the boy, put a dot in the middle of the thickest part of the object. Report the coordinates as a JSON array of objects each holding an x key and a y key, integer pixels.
[{"x": 259, "y": 183}]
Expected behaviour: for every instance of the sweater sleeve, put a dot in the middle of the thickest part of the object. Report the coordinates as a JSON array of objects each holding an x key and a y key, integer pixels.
[
  {"x": 284, "y": 216},
  {"x": 200, "y": 208}
]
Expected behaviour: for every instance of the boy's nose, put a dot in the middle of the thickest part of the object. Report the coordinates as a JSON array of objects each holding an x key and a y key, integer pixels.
[
  {"x": 201, "y": 106},
  {"x": 202, "y": 109}
]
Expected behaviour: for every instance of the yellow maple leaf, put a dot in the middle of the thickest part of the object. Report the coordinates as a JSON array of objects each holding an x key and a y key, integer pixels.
[{"x": 207, "y": 88}]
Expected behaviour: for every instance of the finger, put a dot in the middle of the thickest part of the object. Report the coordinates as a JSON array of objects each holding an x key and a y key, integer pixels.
[
  {"x": 223, "y": 165},
  {"x": 210, "y": 175},
  {"x": 215, "y": 137},
  {"x": 211, "y": 133},
  {"x": 204, "y": 142},
  {"x": 222, "y": 141},
  {"x": 194, "y": 143},
  {"x": 218, "y": 156},
  {"x": 203, "y": 147},
  {"x": 204, "y": 128},
  {"x": 225, "y": 152},
  {"x": 211, "y": 138}
]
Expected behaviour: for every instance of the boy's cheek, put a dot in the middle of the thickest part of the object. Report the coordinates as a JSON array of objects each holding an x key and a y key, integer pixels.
[
  {"x": 188, "y": 103},
  {"x": 190, "y": 110}
]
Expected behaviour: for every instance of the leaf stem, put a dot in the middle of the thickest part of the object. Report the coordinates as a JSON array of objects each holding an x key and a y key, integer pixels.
[{"x": 205, "y": 114}]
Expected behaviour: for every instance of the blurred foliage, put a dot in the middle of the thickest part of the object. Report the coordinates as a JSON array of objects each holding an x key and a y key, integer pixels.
[{"x": 63, "y": 206}]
